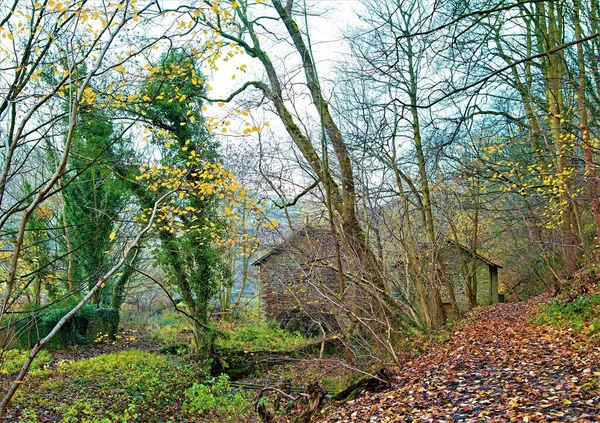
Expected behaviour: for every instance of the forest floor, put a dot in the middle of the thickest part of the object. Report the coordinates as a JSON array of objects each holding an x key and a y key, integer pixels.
[{"x": 499, "y": 367}]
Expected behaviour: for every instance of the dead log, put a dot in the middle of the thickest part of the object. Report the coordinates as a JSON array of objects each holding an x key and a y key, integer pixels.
[
  {"x": 240, "y": 364},
  {"x": 378, "y": 383},
  {"x": 314, "y": 396}
]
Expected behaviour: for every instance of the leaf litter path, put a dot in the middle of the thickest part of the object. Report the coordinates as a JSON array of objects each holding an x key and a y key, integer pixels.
[{"x": 499, "y": 367}]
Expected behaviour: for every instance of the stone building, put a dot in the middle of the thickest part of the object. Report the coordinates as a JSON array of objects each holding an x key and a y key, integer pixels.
[
  {"x": 299, "y": 273},
  {"x": 486, "y": 274}
]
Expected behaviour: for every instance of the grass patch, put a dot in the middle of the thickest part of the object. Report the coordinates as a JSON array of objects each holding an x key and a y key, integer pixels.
[
  {"x": 167, "y": 327},
  {"x": 171, "y": 328},
  {"x": 582, "y": 314},
  {"x": 265, "y": 337},
  {"x": 11, "y": 361}
]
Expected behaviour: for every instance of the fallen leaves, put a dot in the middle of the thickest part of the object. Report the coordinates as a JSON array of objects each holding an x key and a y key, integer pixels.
[{"x": 499, "y": 367}]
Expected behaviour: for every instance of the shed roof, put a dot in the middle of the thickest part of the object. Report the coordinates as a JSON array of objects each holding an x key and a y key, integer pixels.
[
  {"x": 479, "y": 256},
  {"x": 307, "y": 232},
  {"x": 311, "y": 231}
]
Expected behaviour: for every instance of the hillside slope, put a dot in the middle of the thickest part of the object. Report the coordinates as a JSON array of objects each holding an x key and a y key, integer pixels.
[{"x": 498, "y": 367}]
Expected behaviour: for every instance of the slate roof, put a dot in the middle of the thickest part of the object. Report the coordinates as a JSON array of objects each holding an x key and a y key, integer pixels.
[{"x": 304, "y": 232}]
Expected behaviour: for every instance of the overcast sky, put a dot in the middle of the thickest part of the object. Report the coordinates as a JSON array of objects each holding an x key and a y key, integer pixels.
[{"x": 327, "y": 20}]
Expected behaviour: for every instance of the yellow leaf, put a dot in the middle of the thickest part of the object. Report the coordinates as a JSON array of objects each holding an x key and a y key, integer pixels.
[{"x": 112, "y": 236}]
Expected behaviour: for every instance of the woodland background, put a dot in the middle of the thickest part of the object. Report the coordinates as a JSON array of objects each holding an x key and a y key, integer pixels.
[{"x": 151, "y": 149}]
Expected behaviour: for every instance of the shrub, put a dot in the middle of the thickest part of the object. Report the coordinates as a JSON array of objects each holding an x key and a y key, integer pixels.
[
  {"x": 216, "y": 400},
  {"x": 83, "y": 328}
]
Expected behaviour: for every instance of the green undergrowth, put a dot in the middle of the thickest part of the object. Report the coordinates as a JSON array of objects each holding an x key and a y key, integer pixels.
[
  {"x": 582, "y": 314},
  {"x": 167, "y": 327},
  {"x": 11, "y": 361},
  {"x": 215, "y": 400},
  {"x": 264, "y": 337},
  {"x": 121, "y": 387}
]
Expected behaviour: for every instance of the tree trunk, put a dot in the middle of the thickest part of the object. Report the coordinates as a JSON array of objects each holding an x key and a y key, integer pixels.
[
  {"x": 553, "y": 75},
  {"x": 590, "y": 169}
]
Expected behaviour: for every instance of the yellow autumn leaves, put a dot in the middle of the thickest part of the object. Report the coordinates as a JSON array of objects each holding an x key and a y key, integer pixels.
[
  {"x": 529, "y": 178},
  {"x": 195, "y": 181}
]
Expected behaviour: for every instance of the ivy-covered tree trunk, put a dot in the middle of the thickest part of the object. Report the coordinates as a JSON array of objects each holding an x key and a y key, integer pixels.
[
  {"x": 118, "y": 289},
  {"x": 92, "y": 199},
  {"x": 186, "y": 250}
]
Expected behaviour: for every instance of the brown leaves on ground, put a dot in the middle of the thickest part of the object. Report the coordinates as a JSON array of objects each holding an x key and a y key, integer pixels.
[{"x": 499, "y": 367}]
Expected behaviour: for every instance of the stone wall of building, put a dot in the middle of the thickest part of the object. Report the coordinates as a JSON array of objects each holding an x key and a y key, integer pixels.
[
  {"x": 294, "y": 275},
  {"x": 299, "y": 274},
  {"x": 456, "y": 274}
]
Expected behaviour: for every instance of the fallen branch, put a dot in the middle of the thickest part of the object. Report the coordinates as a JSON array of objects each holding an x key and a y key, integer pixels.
[
  {"x": 367, "y": 384},
  {"x": 238, "y": 364}
]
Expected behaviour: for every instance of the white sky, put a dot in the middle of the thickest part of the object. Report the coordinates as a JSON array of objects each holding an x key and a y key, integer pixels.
[{"x": 329, "y": 49}]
